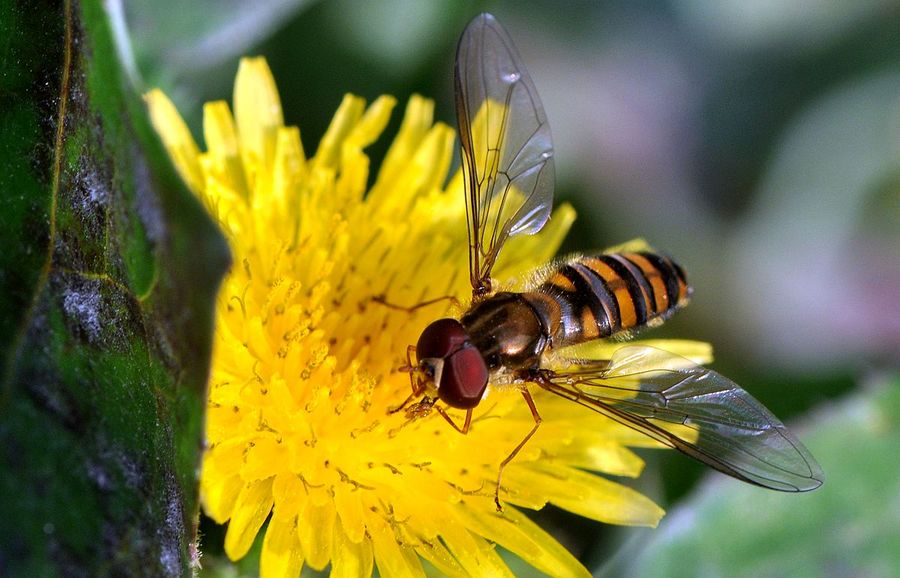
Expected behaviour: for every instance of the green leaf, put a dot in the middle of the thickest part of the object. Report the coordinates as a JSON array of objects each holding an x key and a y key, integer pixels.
[
  {"x": 108, "y": 275},
  {"x": 848, "y": 527}
]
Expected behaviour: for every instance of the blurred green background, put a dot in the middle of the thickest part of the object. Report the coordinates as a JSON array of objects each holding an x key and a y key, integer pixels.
[{"x": 759, "y": 143}]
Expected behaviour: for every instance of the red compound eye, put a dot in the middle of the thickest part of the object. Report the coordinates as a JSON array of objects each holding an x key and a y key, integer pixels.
[
  {"x": 441, "y": 339},
  {"x": 463, "y": 379},
  {"x": 464, "y": 375}
]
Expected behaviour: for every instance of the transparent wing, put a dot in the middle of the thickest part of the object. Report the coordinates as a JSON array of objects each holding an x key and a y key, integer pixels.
[
  {"x": 694, "y": 410},
  {"x": 507, "y": 152}
]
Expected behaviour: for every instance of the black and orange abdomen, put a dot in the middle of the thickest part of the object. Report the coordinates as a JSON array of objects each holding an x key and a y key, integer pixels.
[{"x": 599, "y": 296}]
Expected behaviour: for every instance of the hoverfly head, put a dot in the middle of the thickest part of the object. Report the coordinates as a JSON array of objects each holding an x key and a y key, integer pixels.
[{"x": 450, "y": 367}]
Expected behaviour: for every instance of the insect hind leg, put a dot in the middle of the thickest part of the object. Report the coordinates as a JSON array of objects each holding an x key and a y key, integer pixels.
[{"x": 537, "y": 422}]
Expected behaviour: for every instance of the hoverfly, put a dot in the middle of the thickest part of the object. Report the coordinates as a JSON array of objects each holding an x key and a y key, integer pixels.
[{"x": 504, "y": 337}]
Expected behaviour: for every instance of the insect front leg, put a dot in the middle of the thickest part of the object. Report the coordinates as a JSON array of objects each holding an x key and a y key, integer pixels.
[
  {"x": 417, "y": 387},
  {"x": 537, "y": 422},
  {"x": 465, "y": 428}
]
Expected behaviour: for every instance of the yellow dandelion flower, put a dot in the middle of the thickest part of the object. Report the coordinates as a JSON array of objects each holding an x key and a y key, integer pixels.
[{"x": 304, "y": 368}]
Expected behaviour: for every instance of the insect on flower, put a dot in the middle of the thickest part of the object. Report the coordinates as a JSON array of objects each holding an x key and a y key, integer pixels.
[{"x": 506, "y": 338}]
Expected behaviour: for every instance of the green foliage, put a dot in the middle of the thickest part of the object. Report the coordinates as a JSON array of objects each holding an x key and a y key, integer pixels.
[{"x": 107, "y": 278}]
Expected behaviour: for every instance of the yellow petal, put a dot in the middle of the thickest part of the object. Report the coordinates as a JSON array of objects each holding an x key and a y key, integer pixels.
[
  {"x": 281, "y": 555},
  {"x": 220, "y": 482},
  {"x": 595, "y": 451},
  {"x": 372, "y": 123},
  {"x": 289, "y": 492},
  {"x": 219, "y": 495},
  {"x": 417, "y": 121},
  {"x": 349, "y": 507},
  {"x": 250, "y": 511},
  {"x": 352, "y": 559},
  {"x": 176, "y": 138},
  {"x": 584, "y": 494},
  {"x": 435, "y": 553},
  {"x": 222, "y": 144},
  {"x": 393, "y": 559},
  {"x": 432, "y": 160},
  {"x": 343, "y": 123},
  {"x": 316, "y": 532},
  {"x": 518, "y": 534},
  {"x": 632, "y": 246},
  {"x": 289, "y": 168},
  {"x": 473, "y": 552},
  {"x": 257, "y": 112},
  {"x": 351, "y": 184},
  {"x": 264, "y": 461}
]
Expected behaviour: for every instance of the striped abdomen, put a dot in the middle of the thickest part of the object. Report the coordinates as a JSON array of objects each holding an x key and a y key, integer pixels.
[{"x": 599, "y": 296}]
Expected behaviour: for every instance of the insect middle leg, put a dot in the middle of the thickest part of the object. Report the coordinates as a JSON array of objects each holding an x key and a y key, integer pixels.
[
  {"x": 537, "y": 422},
  {"x": 465, "y": 428}
]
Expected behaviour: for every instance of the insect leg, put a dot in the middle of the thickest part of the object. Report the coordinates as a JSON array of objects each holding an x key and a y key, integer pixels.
[
  {"x": 417, "y": 388},
  {"x": 382, "y": 299},
  {"x": 396, "y": 408},
  {"x": 465, "y": 428},
  {"x": 537, "y": 422}
]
